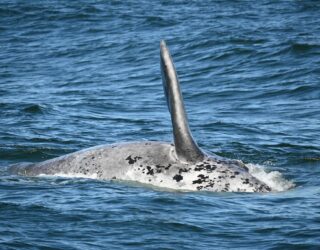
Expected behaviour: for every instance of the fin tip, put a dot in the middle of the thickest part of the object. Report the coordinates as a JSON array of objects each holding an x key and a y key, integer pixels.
[{"x": 163, "y": 44}]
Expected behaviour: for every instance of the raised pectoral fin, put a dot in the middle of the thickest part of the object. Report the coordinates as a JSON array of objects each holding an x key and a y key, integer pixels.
[{"x": 186, "y": 148}]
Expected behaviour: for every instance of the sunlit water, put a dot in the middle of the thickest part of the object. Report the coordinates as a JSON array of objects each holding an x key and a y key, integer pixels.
[{"x": 75, "y": 74}]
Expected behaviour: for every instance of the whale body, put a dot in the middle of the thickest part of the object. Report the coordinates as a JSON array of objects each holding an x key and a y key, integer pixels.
[{"x": 180, "y": 165}]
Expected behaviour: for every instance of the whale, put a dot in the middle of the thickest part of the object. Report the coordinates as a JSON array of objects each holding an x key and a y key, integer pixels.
[{"x": 179, "y": 165}]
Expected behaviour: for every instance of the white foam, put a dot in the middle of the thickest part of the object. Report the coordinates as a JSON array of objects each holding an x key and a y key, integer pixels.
[{"x": 273, "y": 179}]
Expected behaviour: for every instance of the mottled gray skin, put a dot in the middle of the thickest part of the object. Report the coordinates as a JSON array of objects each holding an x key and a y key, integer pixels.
[
  {"x": 152, "y": 163},
  {"x": 182, "y": 165}
]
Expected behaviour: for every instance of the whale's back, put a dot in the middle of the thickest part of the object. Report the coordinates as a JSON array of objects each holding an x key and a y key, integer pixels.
[{"x": 102, "y": 162}]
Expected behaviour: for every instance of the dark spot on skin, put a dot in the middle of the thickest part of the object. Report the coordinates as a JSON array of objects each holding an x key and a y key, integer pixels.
[
  {"x": 92, "y": 158},
  {"x": 114, "y": 178},
  {"x": 245, "y": 167},
  {"x": 199, "y": 187},
  {"x": 199, "y": 181},
  {"x": 232, "y": 176},
  {"x": 163, "y": 167},
  {"x": 178, "y": 177},
  {"x": 183, "y": 170},
  {"x": 268, "y": 188},
  {"x": 211, "y": 184},
  {"x": 236, "y": 173},
  {"x": 205, "y": 166},
  {"x": 197, "y": 169},
  {"x": 133, "y": 160},
  {"x": 150, "y": 171},
  {"x": 201, "y": 176},
  {"x": 210, "y": 168},
  {"x": 246, "y": 181},
  {"x": 263, "y": 188},
  {"x": 130, "y": 160}
]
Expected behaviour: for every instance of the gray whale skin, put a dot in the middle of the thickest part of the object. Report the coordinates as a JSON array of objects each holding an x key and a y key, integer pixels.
[{"x": 181, "y": 165}]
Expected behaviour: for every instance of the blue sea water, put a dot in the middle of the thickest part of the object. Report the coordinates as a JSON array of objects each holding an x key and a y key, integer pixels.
[{"x": 75, "y": 74}]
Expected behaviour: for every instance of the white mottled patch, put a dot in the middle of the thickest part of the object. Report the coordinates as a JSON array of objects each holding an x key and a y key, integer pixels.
[{"x": 207, "y": 176}]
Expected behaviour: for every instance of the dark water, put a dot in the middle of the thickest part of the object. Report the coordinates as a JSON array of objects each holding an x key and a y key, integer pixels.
[{"x": 75, "y": 74}]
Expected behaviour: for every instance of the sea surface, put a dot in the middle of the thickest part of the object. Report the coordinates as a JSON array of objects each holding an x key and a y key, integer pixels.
[{"x": 75, "y": 74}]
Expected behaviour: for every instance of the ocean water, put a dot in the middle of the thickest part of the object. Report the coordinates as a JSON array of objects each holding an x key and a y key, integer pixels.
[{"x": 75, "y": 74}]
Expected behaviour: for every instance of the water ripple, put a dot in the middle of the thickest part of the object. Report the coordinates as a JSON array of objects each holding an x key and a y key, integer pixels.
[{"x": 76, "y": 74}]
